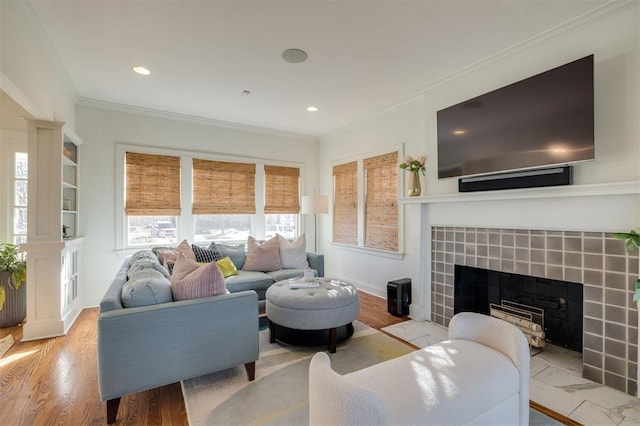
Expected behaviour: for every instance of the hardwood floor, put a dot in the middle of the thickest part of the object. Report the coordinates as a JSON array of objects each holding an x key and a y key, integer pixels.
[{"x": 55, "y": 381}]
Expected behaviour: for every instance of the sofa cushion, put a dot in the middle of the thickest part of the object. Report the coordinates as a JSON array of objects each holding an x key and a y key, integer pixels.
[
  {"x": 236, "y": 253},
  {"x": 147, "y": 263},
  {"x": 190, "y": 280},
  {"x": 249, "y": 280},
  {"x": 285, "y": 274},
  {"x": 226, "y": 267},
  {"x": 293, "y": 254},
  {"x": 210, "y": 254},
  {"x": 262, "y": 257},
  {"x": 146, "y": 287},
  {"x": 143, "y": 254}
]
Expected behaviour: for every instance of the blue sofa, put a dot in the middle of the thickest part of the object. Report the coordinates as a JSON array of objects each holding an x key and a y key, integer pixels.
[
  {"x": 141, "y": 348},
  {"x": 261, "y": 281}
]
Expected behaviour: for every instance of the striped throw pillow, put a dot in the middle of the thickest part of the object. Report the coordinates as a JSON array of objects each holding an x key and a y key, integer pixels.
[{"x": 190, "y": 280}]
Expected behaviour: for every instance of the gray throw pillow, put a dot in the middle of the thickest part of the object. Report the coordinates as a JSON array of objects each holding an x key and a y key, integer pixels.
[
  {"x": 145, "y": 263},
  {"x": 146, "y": 287},
  {"x": 235, "y": 253}
]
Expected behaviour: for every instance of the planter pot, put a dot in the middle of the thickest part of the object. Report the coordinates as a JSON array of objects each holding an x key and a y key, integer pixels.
[{"x": 14, "y": 310}]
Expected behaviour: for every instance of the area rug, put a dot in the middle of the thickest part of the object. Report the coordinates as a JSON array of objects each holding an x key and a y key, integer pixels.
[
  {"x": 5, "y": 344},
  {"x": 279, "y": 395}
]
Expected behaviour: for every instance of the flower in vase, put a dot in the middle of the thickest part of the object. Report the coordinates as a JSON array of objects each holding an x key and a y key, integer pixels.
[{"x": 414, "y": 165}]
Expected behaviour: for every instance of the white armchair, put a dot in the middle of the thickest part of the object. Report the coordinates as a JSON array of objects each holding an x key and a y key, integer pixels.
[{"x": 479, "y": 376}]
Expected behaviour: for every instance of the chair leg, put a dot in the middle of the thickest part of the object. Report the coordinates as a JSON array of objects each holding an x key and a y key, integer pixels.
[
  {"x": 112, "y": 410},
  {"x": 333, "y": 340},
  {"x": 251, "y": 370}
]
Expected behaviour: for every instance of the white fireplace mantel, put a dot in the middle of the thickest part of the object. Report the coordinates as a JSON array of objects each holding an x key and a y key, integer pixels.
[
  {"x": 592, "y": 190},
  {"x": 607, "y": 207}
]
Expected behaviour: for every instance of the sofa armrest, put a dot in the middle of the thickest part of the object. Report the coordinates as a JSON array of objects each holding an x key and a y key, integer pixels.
[
  {"x": 335, "y": 400},
  {"x": 150, "y": 346},
  {"x": 502, "y": 337},
  {"x": 316, "y": 261}
]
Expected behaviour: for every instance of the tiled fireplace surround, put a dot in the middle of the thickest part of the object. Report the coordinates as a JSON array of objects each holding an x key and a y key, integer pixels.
[{"x": 594, "y": 259}]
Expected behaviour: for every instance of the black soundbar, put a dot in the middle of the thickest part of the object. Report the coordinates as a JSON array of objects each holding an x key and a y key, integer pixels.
[{"x": 553, "y": 176}]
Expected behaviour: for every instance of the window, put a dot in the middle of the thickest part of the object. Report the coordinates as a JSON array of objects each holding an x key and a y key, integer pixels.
[
  {"x": 154, "y": 183},
  {"x": 223, "y": 200},
  {"x": 223, "y": 188},
  {"x": 152, "y": 198},
  {"x": 282, "y": 201},
  {"x": 21, "y": 175},
  {"x": 381, "y": 207},
  {"x": 222, "y": 227},
  {"x": 345, "y": 203}
]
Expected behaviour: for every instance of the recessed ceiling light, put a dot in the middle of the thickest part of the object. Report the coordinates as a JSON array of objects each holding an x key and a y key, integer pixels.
[
  {"x": 294, "y": 56},
  {"x": 312, "y": 108},
  {"x": 459, "y": 132},
  {"x": 141, "y": 70}
]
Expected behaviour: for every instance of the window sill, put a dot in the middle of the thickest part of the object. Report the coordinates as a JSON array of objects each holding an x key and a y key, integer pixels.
[{"x": 369, "y": 251}]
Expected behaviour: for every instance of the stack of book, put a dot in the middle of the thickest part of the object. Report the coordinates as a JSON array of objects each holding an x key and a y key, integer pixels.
[{"x": 300, "y": 282}]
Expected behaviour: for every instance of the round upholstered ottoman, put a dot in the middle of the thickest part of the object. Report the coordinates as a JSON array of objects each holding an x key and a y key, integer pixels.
[{"x": 307, "y": 315}]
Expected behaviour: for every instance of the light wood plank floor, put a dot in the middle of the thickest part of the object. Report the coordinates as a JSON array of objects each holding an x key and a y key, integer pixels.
[{"x": 55, "y": 381}]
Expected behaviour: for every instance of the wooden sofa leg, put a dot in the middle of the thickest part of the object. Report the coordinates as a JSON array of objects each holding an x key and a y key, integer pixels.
[
  {"x": 112, "y": 410},
  {"x": 251, "y": 370}
]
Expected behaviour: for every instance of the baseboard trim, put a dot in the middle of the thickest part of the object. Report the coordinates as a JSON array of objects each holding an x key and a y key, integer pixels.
[{"x": 553, "y": 414}]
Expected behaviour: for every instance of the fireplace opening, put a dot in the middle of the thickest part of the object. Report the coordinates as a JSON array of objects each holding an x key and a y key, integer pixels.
[{"x": 476, "y": 289}]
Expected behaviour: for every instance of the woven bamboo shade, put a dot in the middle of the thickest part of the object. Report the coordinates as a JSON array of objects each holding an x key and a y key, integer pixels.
[
  {"x": 381, "y": 207},
  {"x": 223, "y": 188},
  {"x": 345, "y": 203},
  {"x": 152, "y": 185},
  {"x": 282, "y": 194}
]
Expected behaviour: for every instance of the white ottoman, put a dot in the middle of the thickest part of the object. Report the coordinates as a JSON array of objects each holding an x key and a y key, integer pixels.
[{"x": 330, "y": 307}]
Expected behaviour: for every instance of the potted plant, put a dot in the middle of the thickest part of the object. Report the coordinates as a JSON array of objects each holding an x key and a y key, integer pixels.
[
  {"x": 631, "y": 243},
  {"x": 13, "y": 274}
]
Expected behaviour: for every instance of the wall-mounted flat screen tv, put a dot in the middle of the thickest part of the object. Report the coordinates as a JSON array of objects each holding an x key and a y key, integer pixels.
[{"x": 545, "y": 120}]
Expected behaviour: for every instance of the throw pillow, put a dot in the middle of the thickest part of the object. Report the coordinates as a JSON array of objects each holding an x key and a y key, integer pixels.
[
  {"x": 293, "y": 255},
  {"x": 263, "y": 257},
  {"x": 146, "y": 287},
  {"x": 235, "y": 253},
  {"x": 226, "y": 267},
  {"x": 167, "y": 256},
  {"x": 142, "y": 263},
  {"x": 210, "y": 254},
  {"x": 192, "y": 281},
  {"x": 185, "y": 248}
]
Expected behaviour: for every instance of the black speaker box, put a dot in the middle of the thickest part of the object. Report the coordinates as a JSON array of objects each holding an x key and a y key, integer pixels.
[
  {"x": 399, "y": 296},
  {"x": 554, "y": 176}
]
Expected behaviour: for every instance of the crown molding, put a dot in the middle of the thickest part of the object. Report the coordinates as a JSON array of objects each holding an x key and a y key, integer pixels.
[
  {"x": 604, "y": 12},
  {"x": 156, "y": 113}
]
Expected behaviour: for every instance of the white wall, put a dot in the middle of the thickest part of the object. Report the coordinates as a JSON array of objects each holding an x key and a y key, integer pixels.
[
  {"x": 30, "y": 72},
  {"x": 403, "y": 124},
  {"x": 614, "y": 41},
  {"x": 103, "y": 128}
]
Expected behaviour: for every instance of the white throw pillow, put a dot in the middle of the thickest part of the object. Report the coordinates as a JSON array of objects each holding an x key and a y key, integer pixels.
[{"x": 293, "y": 255}]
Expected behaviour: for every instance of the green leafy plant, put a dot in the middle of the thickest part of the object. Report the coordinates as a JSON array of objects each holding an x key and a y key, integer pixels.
[
  {"x": 414, "y": 165},
  {"x": 12, "y": 260},
  {"x": 631, "y": 243}
]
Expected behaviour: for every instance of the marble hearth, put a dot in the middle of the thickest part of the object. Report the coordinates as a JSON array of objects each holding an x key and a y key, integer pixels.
[{"x": 595, "y": 259}]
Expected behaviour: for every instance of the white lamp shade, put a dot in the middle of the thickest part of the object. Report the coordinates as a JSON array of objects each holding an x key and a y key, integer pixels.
[{"x": 315, "y": 204}]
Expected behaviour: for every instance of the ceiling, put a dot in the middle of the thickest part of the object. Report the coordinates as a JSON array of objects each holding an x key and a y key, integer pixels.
[{"x": 364, "y": 56}]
